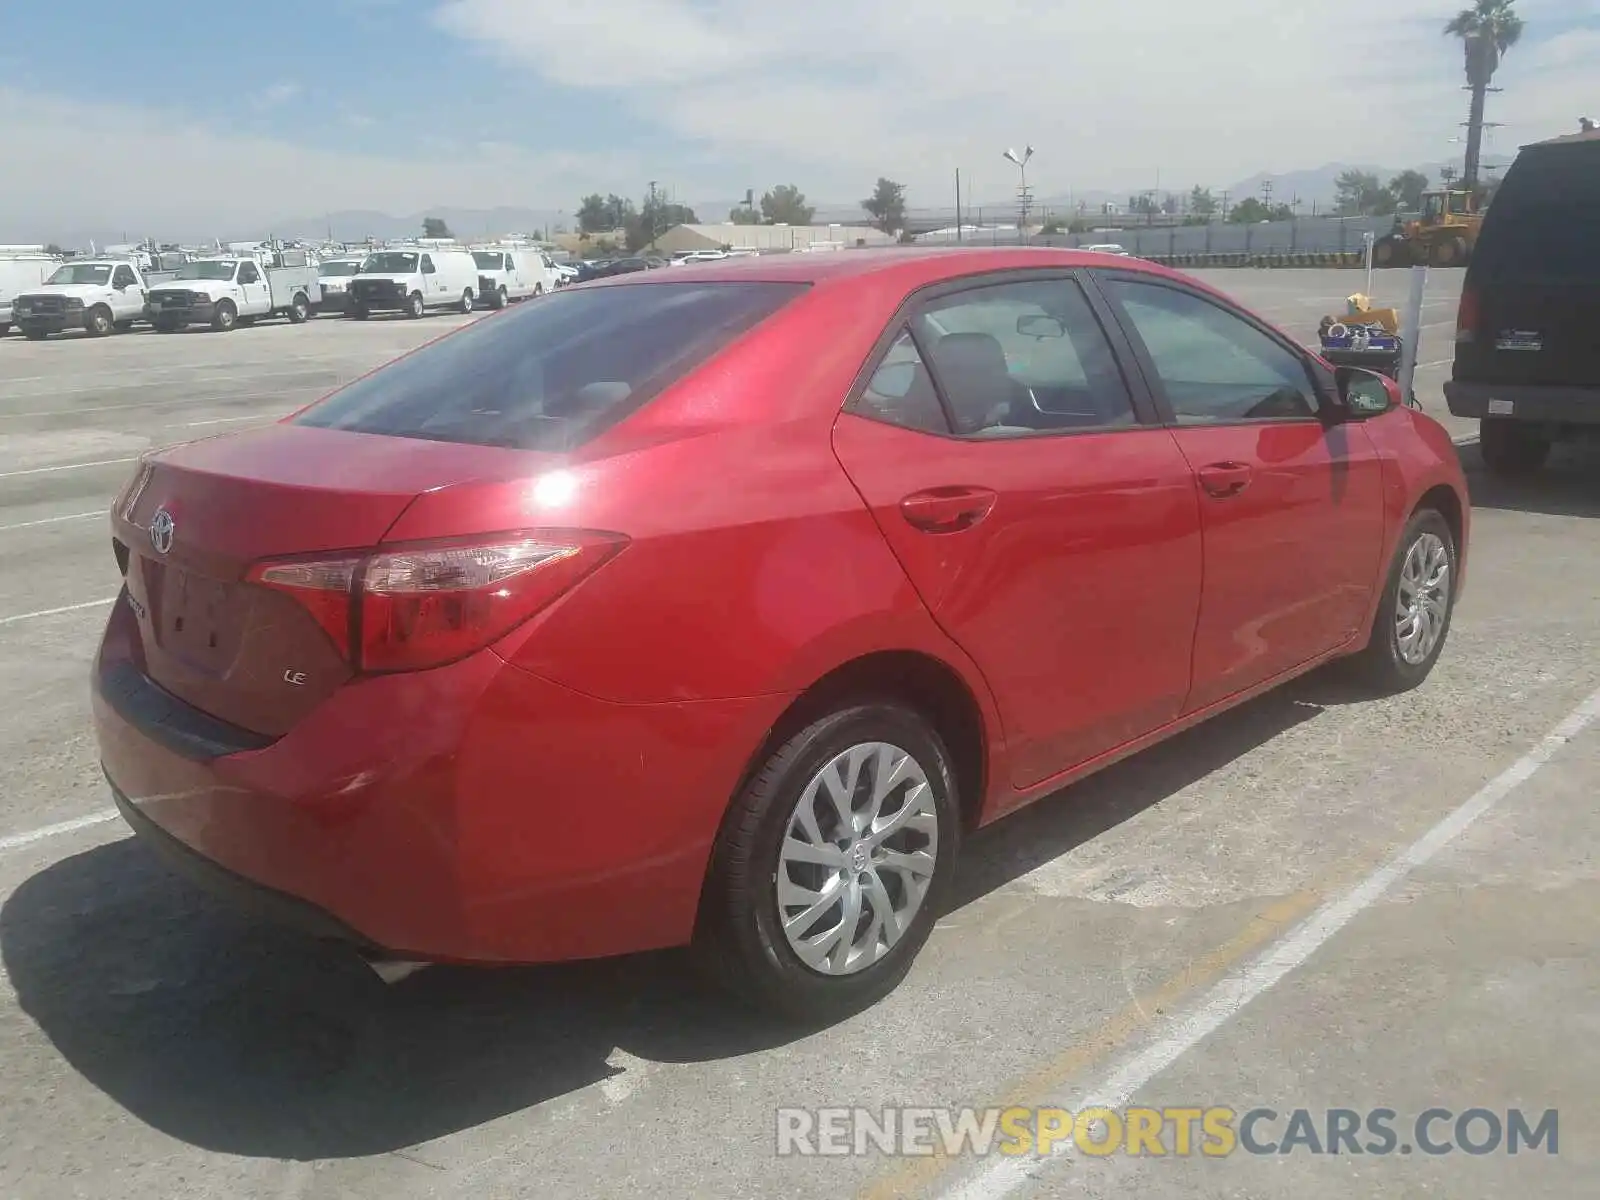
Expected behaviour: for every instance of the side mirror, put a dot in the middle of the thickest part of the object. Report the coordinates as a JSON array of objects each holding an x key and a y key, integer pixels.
[
  {"x": 1040, "y": 327},
  {"x": 1364, "y": 394}
]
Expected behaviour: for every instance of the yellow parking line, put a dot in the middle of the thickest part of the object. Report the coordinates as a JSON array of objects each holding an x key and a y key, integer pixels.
[{"x": 1138, "y": 1015}]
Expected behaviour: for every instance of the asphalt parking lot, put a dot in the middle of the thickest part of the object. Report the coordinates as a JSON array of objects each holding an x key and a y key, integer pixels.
[{"x": 1314, "y": 902}]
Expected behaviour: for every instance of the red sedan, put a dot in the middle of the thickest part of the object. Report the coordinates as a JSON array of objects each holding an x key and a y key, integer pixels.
[{"x": 714, "y": 606}]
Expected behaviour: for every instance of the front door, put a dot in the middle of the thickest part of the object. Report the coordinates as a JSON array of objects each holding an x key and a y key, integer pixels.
[
  {"x": 1051, "y": 532},
  {"x": 255, "y": 293},
  {"x": 1292, "y": 506},
  {"x": 127, "y": 297}
]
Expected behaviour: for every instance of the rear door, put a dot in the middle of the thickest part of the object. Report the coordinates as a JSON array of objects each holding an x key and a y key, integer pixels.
[
  {"x": 1292, "y": 507},
  {"x": 1535, "y": 276},
  {"x": 1048, "y": 524}
]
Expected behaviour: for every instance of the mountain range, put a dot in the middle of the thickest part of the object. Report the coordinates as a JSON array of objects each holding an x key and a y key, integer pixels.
[{"x": 1314, "y": 188}]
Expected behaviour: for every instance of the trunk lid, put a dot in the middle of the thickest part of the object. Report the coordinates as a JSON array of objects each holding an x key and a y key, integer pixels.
[{"x": 247, "y": 654}]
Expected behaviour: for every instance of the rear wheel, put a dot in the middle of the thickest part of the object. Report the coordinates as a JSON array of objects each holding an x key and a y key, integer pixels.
[
  {"x": 1512, "y": 448},
  {"x": 832, "y": 864},
  {"x": 124, "y": 326},
  {"x": 500, "y": 297},
  {"x": 99, "y": 322},
  {"x": 299, "y": 310},
  {"x": 415, "y": 306},
  {"x": 1413, "y": 620},
  {"x": 357, "y": 312},
  {"x": 34, "y": 335},
  {"x": 466, "y": 301},
  {"x": 1450, "y": 252},
  {"x": 1389, "y": 252},
  {"x": 225, "y": 318},
  {"x": 4, "y": 329},
  {"x": 538, "y": 289}
]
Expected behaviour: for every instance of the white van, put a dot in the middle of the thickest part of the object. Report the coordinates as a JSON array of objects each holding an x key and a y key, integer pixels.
[
  {"x": 506, "y": 274},
  {"x": 414, "y": 279},
  {"x": 21, "y": 270}
]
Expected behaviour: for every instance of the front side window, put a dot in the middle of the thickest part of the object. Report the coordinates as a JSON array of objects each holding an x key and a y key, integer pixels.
[
  {"x": 249, "y": 274},
  {"x": 427, "y": 264},
  {"x": 551, "y": 375},
  {"x": 124, "y": 277},
  {"x": 1212, "y": 365},
  {"x": 1025, "y": 357}
]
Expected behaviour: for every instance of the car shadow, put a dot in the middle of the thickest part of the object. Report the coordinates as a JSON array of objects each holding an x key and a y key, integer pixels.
[
  {"x": 1567, "y": 486},
  {"x": 254, "y": 1041}
]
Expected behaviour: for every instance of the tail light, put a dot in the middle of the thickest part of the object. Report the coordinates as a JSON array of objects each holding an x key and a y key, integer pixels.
[
  {"x": 1467, "y": 316},
  {"x": 409, "y": 607}
]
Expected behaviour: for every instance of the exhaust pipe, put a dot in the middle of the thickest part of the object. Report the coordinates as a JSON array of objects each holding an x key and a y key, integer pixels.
[{"x": 393, "y": 970}]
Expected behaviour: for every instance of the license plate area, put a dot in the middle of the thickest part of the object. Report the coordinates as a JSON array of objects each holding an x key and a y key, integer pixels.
[{"x": 194, "y": 618}]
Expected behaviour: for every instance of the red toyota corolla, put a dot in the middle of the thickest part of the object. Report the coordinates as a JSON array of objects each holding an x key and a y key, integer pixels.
[{"x": 713, "y": 606}]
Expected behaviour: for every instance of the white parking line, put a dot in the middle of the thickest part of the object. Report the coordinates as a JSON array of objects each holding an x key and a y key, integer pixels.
[
  {"x": 52, "y": 520},
  {"x": 18, "y": 840},
  {"x": 50, "y": 612},
  {"x": 187, "y": 403},
  {"x": 999, "y": 1178},
  {"x": 264, "y": 418},
  {"x": 104, "y": 462}
]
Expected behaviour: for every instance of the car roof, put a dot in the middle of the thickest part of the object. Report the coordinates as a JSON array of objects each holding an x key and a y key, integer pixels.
[{"x": 919, "y": 265}]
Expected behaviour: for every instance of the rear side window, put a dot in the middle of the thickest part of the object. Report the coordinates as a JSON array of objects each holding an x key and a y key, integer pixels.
[
  {"x": 551, "y": 375},
  {"x": 1544, "y": 222}
]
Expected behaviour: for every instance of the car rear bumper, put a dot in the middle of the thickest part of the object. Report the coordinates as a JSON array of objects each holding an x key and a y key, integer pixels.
[
  {"x": 1528, "y": 402},
  {"x": 471, "y": 813}
]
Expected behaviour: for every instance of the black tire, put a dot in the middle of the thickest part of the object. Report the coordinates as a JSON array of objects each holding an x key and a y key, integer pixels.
[
  {"x": 1389, "y": 252},
  {"x": 1381, "y": 666},
  {"x": 225, "y": 318},
  {"x": 299, "y": 310},
  {"x": 124, "y": 326},
  {"x": 358, "y": 312},
  {"x": 98, "y": 323},
  {"x": 246, "y": 322},
  {"x": 416, "y": 306},
  {"x": 1510, "y": 448},
  {"x": 34, "y": 335},
  {"x": 538, "y": 290},
  {"x": 163, "y": 326},
  {"x": 500, "y": 297},
  {"x": 740, "y": 940},
  {"x": 466, "y": 302},
  {"x": 1450, "y": 252},
  {"x": 5, "y": 329}
]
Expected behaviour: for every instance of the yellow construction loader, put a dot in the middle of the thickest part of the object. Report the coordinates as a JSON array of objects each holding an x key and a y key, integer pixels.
[{"x": 1443, "y": 236}]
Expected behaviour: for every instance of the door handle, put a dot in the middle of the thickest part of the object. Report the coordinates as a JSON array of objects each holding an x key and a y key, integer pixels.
[
  {"x": 947, "y": 509},
  {"x": 1225, "y": 478}
]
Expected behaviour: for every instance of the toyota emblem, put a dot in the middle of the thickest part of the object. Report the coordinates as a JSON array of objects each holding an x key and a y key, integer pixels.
[{"x": 161, "y": 526}]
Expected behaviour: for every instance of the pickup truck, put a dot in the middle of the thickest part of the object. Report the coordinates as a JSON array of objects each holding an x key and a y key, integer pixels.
[
  {"x": 98, "y": 295},
  {"x": 231, "y": 290}
]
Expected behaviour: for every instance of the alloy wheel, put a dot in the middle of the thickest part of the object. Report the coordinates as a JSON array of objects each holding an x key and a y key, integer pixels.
[
  {"x": 857, "y": 858},
  {"x": 1422, "y": 604}
]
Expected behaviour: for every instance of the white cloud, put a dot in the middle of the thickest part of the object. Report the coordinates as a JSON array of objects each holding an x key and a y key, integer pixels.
[
  {"x": 279, "y": 93},
  {"x": 72, "y": 167},
  {"x": 833, "y": 92}
]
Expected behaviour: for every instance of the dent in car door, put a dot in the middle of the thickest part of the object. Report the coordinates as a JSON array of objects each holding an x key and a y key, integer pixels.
[
  {"x": 1058, "y": 545},
  {"x": 1292, "y": 507}
]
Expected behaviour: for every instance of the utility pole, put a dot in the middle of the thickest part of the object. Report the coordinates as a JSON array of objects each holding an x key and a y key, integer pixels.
[{"x": 958, "y": 206}]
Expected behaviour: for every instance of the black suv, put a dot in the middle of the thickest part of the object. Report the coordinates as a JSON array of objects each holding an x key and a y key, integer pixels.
[{"x": 1528, "y": 332}]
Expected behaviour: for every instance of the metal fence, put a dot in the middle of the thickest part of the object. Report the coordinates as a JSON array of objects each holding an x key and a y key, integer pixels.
[{"x": 1315, "y": 235}]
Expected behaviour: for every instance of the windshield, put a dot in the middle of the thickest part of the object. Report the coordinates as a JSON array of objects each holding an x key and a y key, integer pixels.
[
  {"x": 549, "y": 376},
  {"x": 488, "y": 262},
  {"x": 339, "y": 268},
  {"x": 393, "y": 263},
  {"x": 81, "y": 273},
  {"x": 1432, "y": 206},
  {"x": 206, "y": 270}
]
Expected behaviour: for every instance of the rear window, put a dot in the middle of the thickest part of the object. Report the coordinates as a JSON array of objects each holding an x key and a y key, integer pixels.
[
  {"x": 1545, "y": 220},
  {"x": 551, "y": 375}
]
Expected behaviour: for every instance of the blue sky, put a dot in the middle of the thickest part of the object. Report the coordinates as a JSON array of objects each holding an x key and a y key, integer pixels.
[{"x": 169, "y": 113}]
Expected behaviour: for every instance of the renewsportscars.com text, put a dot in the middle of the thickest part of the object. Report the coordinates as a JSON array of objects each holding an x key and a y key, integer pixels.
[{"x": 1209, "y": 1132}]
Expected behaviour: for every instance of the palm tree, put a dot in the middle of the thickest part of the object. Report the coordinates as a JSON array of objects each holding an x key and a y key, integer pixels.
[{"x": 1487, "y": 30}]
